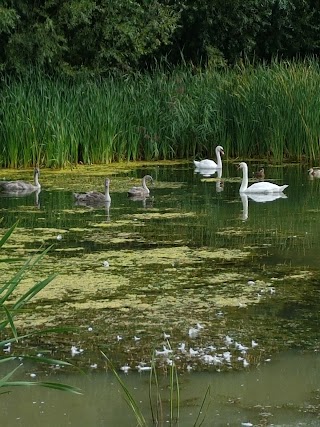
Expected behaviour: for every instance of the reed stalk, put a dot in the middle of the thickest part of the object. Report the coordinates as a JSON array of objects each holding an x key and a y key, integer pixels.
[{"x": 263, "y": 111}]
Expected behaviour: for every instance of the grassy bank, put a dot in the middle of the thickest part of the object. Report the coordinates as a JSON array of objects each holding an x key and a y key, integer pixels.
[{"x": 253, "y": 112}]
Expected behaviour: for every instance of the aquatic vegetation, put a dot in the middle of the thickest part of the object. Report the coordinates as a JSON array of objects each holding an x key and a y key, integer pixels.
[
  {"x": 268, "y": 112},
  {"x": 186, "y": 259},
  {"x": 161, "y": 409},
  {"x": 10, "y": 308}
]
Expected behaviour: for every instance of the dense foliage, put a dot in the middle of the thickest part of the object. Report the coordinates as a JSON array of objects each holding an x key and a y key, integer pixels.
[
  {"x": 252, "y": 111},
  {"x": 74, "y": 86},
  {"x": 99, "y": 36}
]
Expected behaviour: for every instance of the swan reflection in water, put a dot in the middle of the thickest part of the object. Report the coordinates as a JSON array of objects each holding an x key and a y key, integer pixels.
[
  {"x": 24, "y": 193},
  {"x": 96, "y": 205},
  {"x": 210, "y": 172},
  {"x": 146, "y": 201},
  {"x": 259, "y": 198}
]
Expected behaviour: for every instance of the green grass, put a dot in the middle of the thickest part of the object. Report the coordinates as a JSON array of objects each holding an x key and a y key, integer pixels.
[{"x": 266, "y": 111}]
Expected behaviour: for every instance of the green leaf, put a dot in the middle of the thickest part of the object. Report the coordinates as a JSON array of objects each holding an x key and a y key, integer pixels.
[
  {"x": 10, "y": 320},
  {"x": 8, "y": 234}
]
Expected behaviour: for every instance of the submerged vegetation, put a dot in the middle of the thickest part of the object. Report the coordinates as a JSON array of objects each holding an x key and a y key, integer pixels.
[
  {"x": 187, "y": 257},
  {"x": 181, "y": 285},
  {"x": 269, "y": 112}
]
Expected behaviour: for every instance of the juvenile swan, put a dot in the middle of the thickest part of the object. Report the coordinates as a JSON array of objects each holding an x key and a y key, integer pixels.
[
  {"x": 259, "y": 174},
  {"x": 210, "y": 164},
  {"x": 94, "y": 197},
  {"x": 259, "y": 187},
  {"x": 21, "y": 186},
  {"x": 142, "y": 191}
]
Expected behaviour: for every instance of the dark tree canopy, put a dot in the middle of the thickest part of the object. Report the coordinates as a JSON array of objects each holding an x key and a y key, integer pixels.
[{"x": 99, "y": 36}]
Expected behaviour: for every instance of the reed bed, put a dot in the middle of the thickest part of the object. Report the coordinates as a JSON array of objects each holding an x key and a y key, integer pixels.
[{"x": 262, "y": 112}]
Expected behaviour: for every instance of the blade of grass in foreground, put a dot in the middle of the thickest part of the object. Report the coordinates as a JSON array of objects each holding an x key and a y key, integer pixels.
[
  {"x": 157, "y": 415},
  {"x": 4, "y": 382},
  {"x": 10, "y": 320},
  {"x": 7, "y": 234},
  {"x": 200, "y": 410},
  {"x": 9, "y": 312},
  {"x": 54, "y": 386},
  {"x": 128, "y": 396}
]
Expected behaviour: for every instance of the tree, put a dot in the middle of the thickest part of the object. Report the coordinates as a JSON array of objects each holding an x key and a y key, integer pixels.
[{"x": 86, "y": 35}]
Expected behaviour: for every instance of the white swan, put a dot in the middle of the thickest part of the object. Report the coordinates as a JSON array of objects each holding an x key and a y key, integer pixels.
[
  {"x": 210, "y": 164},
  {"x": 259, "y": 187},
  {"x": 314, "y": 172},
  {"x": 266, "y": 197},
  {"x": 21, "y": 186},
  {"x": 140, "y": 192},
  {"x": 94, "y": 197}
]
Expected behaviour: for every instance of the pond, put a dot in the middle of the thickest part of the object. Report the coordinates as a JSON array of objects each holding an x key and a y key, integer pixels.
[{"x": 136, "y": 278}]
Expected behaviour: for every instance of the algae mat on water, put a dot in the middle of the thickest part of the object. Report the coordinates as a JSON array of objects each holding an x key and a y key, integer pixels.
[
  {"x": 144, "y": 293},
  {"x": 131, "y": 281}
]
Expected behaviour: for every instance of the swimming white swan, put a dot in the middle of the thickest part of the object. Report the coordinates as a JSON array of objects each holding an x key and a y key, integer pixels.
[
  {"x": 21, "y": 186},
  {"x": 210, "y": 164},
  {"x": 142, "y": 191},
  {"x": 94, "y": 197},
  {"x": 314, "y": 172},
  {"x": 265, "y": 197},
  {"x": 258, "y": 187}
]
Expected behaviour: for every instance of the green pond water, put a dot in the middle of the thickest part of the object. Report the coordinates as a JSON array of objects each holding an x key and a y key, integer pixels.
[{"x": 195, "y": 252}]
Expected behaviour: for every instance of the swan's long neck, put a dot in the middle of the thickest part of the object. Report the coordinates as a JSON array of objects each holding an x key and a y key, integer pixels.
[
  {"x": 244, "y": 183},
  {"x": 144, "y": 185},
  {"x": 36, "y": 179},
  {"x": 107, "y": 194},
  {"x": 219, "y": 161}
]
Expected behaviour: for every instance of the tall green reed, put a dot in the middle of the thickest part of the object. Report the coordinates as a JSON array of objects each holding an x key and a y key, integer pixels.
[
  {"x": 159, "y": 406},
  {"x": 263, "y": 111}
]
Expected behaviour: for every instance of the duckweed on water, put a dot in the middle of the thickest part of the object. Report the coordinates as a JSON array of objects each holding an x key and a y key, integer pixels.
[{"x": 152, "y": 285}]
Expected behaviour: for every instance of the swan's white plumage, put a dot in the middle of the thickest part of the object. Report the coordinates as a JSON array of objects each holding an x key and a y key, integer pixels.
[
  {"x": 210, "y": 164},
  {"x": 314, "y": 172},
  {"x": 259, "y": 187}
]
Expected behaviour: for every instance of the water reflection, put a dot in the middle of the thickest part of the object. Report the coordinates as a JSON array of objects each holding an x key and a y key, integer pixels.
[
  {"x": 146, "y": 201},
  {"x": 258, "y": 198},
  {"x": 207, "y": 172},
  {"x": 283, "y": 391},
  {"x": 186, "y": 259},
  {"x": 24, "y": 194},
  {"x": 210, "y": 172}
]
